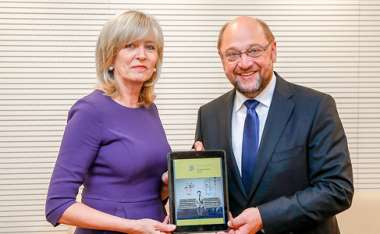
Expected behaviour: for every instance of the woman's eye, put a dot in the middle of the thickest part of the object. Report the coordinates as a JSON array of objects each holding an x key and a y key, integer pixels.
[
  {"x": 150, "y": 47},
  {"x": 130, "y": 46}
]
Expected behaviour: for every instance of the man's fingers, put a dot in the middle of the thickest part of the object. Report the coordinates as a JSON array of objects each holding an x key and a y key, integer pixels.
[
  {"x": 230, "y": 215},
  {"x": 165, "y": 177},
  {"x": 236, "y": 222},
  {"x": 166, "y": 220},
  {"x": 198, "y": 146},
  {"x": 230, "y": 218},
  {"x": 231, "y": 231}
]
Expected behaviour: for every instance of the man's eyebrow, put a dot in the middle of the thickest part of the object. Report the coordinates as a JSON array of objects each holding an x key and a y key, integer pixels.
[
  {"x": 247, "y": 47},
  {"x": 232, "y": 49}
]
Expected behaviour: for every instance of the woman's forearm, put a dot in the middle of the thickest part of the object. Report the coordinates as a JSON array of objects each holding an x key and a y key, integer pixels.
[{"x": 83, "y": 216}]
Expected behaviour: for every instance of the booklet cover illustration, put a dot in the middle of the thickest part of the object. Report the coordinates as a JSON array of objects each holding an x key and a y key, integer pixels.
[{"x": 199, "y": 191}]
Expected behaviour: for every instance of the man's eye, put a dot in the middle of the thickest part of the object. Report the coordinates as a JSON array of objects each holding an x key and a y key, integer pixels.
[
  {"x": 254, "y": 50},
  {"x": 233, "y": 54}
]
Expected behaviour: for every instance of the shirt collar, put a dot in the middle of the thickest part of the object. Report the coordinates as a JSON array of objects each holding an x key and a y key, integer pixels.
[{"x": 265, "y": 97}]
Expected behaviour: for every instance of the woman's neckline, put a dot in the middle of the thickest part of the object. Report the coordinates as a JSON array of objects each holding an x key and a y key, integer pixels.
[{"x": 116, "y": 103}]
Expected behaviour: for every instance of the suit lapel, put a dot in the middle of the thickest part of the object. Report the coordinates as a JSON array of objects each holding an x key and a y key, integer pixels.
[
  {"x": 231, "y": 162},
  {"x": 279, "y": 112}
]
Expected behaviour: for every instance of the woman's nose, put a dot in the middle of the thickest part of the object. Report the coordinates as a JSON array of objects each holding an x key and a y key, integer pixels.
[{"x": 141, "y": 53}]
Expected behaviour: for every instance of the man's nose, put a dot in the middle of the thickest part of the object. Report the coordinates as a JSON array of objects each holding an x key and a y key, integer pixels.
[{"x": 245, "y": 61}]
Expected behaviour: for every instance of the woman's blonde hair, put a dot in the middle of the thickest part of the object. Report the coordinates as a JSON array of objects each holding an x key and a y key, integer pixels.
[{"x": 121, "y": 30}]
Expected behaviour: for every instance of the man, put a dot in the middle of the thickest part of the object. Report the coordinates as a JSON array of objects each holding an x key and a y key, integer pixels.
[{"x": 288, "y": 161}]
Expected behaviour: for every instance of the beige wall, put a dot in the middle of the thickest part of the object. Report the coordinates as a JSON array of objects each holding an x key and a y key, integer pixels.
[{"x": 363, "y": 217}]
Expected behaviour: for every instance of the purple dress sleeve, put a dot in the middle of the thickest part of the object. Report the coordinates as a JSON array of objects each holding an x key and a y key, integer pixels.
[{"x": 78, "y": 150}]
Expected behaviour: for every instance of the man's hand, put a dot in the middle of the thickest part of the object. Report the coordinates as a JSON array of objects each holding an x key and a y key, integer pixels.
[
  {"x": 248, "y": 222},
  {"x": 165, "y": 178},
  {"x": 164, "y": 188},
  {"x": 229, "y": 231},
  {"x": 198, "y": 146}
]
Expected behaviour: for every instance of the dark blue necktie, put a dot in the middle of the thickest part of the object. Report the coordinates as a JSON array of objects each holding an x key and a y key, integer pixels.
[{"x": 250, "y": 143}]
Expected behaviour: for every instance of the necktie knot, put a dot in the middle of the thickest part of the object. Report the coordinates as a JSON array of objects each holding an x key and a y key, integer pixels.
[{"x": 251, "y": 104}]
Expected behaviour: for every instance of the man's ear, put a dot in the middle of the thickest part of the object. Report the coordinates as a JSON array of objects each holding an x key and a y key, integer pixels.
[
  {"x": 220, "y": 56},
  {"x": 274, "y": 52},
  {"x": 221, "y": 59}
]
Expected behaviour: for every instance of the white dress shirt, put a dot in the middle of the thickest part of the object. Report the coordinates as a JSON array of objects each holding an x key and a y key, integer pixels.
[{"x": 239, "y": 113}]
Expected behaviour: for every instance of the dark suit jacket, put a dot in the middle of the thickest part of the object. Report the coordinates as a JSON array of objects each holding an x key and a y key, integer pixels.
[{"x": 303, "y": 174}]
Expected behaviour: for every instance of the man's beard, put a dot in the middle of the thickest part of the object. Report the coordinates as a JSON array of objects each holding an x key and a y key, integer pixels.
[{"x": 252, "y": 89}]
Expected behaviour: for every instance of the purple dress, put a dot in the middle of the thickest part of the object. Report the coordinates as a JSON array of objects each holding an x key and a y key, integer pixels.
[{"x": 117, "y": 153}]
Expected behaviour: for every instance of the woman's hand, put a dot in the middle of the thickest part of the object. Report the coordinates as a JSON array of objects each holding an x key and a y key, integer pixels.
[
  {"x": 149, "y": 226},
  {"x": 83, "y": 216}
]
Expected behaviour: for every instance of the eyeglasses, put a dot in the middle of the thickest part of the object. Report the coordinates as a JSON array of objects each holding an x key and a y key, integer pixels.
[{"x": 254, "y": 51}]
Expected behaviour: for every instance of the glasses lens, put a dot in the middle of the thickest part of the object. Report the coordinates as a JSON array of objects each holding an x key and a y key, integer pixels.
[
  {"x": 255, "y": 51},
  {"x": 232, "y": 56}
]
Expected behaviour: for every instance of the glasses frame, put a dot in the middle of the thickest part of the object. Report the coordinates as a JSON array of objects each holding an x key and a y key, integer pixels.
[{"x": 264, "y": 48}]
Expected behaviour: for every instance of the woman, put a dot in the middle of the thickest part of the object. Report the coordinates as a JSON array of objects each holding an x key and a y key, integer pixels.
[{"x": 114, "y": 143}]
